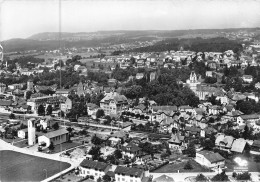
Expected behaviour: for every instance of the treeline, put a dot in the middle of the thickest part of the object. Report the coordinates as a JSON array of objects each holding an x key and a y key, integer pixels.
[{"x": 218, "y": 44}]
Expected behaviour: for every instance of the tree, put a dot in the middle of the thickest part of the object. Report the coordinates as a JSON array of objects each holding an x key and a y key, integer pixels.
[
  {"x": 188, "y": 166},
  {"x": 201, "y": 177},
  {"x": 244, "y": 176},
  {"x": 51, "y": 146},
  {"x": 95, "y": 152},
  {"x": 118, "y": 154},
  {"x": 106, "y": 178},
  {"x": 56, "y": 126},
  {"x": 41, "y": 110},
  {"x": 100, "y": 113},
  {"x": 12, "y": 116},
  {"x": 247, "y": 133},
  {"x": 96, "y": 140},
  {"x": 191, "y": 151},
  {"x": 220, "y": 177},
  {"x": 49, "y": 110},
  {"x": 108, "y": 120}
]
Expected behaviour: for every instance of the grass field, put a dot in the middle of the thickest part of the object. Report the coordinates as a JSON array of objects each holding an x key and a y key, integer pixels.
[{"x": 16, "y": 166}]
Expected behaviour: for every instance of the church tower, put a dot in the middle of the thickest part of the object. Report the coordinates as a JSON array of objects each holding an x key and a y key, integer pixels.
[
  {"x": 31, "y": 131},
  {"x": 193, "y": 82}
]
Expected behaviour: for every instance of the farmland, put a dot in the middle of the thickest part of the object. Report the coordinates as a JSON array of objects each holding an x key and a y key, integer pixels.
[{"x": 16, "y": 166}]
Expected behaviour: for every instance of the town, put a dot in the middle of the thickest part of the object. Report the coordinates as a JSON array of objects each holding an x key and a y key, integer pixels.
[{"x": 133, "y": 114}]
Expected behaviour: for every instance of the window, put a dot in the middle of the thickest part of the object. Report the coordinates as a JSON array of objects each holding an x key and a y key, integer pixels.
[
  {"x": 123, "y": 179},
  {"x": 118, "y": 179}
]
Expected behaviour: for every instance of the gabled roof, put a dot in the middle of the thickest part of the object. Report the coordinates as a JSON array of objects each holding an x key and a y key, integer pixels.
[
  {"x": 176, "y": 138},
  {"x": 6, "y": 102},
  {"x": 129, "y": 171},
  {"x": 238, "y": 145},
  {"x": 163, "y": 178},
  {"x": 94, "y": 165},
  {"x": 131, "y": 148},
  {"x": 250, "y": 116},
  {"x": 211, "y": 156},
  {"x": 256, "y": 143}
]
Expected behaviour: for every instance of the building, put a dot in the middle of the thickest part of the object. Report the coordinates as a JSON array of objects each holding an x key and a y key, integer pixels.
[
  {"x": 31, "y": 131},
  {"x": 255, "y": 147},
  {"x": 163, "y": 178},
  {"x": 113, "y": 103},
  {"x": 23, "y": 133},
  {"x": 193, "y": 81},
  {"x": 56, "y": 137},
  {"x": 54, "y": 101},
  {"x": 247, "y": 78},
  {"x": 224, "y": 142},
  {"x": 210, "y": 159},
  {"x": 131, "y": 150},
  {"x": 92, "y": 109},
  {"x": 238, "y": 145},
  {"x": 93, "y": 168},
  {"x": 65, "y": 107},
  {"x": 15, "y": 86},
  {"x": 176, "y": 141},
  {"x": 128, "y": 174}
]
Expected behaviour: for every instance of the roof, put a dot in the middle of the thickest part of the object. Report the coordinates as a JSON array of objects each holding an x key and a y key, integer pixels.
[
  {"x": 238, "y": 145},
  {"x": 163, "y": 178},
  {"x": 92, "y": 106},
  {"x": 114, "y": 96},
  {"x": 224, "y": 140},
  {"x": 129, "y": 171},
  {"x": 247, "y": 76},
  {"x": 256, "y": 143},
  {"x": 6, "y": 102},
  {"x": 56, "y": 133},
  {"x": 250, "y": 116},
  {"x": 211, "y": 156},
  {"x": 131, "y": 148},
  {"x": 185, "y": 107},
  {"x": 119, "y": 134},
  {"x": 94, "y": 165},
  {"x": 165, "y": 108},
  {"x": 176, "y": 138}
]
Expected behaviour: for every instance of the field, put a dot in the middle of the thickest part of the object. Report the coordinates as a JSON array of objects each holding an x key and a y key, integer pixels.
[
  {"x": 16, "y": 166},
  {"x": 175, "y": 167}
]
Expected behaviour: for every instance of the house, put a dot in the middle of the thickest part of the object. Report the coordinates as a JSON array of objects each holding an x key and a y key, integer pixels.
[
  {"x": 224, "y": 142},
  {"x": 255, "y": 147},
  {"x": 176, "y": 141},
  {"x": 23, "y": 133},
  {"x": 92, "y": 109},
  {"x": 128, "y": 174},
  {"x": 65, "y": 107},
  {"x": 15, "y": 86},
  {"x": 238, "y": 145},
  {"x": 131, "y": 150},
  {"x": 248, "y": 119},
  {"x": 247, "y": 78},
  {"x": 186, "y": 108},
  {"x": 214, "y": 110},
  {"x": 113, "y": 103},
  {"x": 2, "y": 88},
  {"x": 139, "y": 76},
  {"x": 210, "y": 159},
  {"x": 93, "y": 168},
  {"x": 56, "y": 137},
  {"x": 257, "y": 85}
]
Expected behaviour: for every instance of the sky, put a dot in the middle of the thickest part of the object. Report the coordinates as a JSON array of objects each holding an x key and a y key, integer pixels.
[{"x": 23, "y": 18}]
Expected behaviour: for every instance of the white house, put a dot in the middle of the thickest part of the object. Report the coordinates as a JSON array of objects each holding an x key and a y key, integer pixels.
[
  {"x": 128, "y": 174},
  {"x": 210, "y": 159},
  {"x": 56, "y": 137},
  {"x": 93, "y": 168},
  {"x": 23, "y": 133}
]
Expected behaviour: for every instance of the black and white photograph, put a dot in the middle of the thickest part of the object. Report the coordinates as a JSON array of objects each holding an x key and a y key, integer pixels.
[{"x": 130, "y": 90}]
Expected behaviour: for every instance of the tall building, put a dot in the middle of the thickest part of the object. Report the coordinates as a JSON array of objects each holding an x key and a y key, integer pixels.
[
  {"x": 113, "y": 103},
  {"x": 31, "y": 131}
]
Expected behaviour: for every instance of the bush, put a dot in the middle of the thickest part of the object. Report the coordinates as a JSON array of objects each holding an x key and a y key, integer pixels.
[
  {"x": 200, "y": 177},
  {"x": 244, "y": 176},
  {"x": 188, "y": 166},
  {"x": 220, "y": 177},
  {"x": 257, "y": 158}
]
